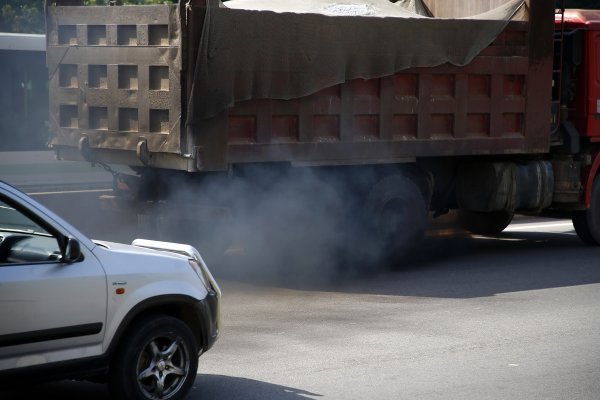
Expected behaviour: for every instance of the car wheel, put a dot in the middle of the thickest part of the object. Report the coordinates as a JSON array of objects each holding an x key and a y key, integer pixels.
[
  {"x": 157, "y": 360},
  {"x": 582, "y": 228},
  {"x": 397, "y": 214},
  {"x": 587, "y": 222}
]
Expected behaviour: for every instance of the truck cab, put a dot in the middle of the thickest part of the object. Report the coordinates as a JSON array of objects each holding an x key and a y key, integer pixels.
[{"x": 582, "y": 31}]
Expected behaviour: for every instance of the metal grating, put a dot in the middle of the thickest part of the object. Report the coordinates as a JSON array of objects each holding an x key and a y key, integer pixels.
[{"x": 112, "y": 81}]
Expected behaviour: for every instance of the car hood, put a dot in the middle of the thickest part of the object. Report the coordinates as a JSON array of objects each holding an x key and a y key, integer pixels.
[{"x": 131, "y": 249}]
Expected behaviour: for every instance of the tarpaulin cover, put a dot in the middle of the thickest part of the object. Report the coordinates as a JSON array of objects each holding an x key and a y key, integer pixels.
[{"x": 285, "y": 49}]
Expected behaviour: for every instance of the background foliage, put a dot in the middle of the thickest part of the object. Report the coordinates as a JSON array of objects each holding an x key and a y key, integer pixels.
[{"x": 26, "y": 16}]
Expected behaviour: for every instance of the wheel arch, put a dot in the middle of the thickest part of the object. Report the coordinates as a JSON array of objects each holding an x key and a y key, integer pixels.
[
  {"x": 423, "y": 178},
  {"x": 179, "y": 306},
  {"x": 420, "y": 175}
]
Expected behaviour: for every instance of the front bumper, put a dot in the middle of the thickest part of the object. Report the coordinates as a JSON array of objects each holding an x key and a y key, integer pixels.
[{"x": 208, "y": 310}]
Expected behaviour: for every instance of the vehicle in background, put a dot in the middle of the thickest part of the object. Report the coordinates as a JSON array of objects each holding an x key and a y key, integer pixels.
[
  {"x": 24, "y": 122},
  {"x": 136, "y": 316},
  {"x": 180, "y": 95}
]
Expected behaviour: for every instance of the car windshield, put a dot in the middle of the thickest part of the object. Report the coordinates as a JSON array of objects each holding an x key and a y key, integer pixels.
[{"x": 12, "y": 220}]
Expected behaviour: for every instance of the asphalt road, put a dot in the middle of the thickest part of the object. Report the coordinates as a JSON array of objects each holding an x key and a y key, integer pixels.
[
  {"x": 516, "y": 316},
  {"x": 39, "y": 171}
]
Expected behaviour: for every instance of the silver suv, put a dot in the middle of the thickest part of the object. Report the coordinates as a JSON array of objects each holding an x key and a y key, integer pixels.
[{"x": 136, "y": 316}]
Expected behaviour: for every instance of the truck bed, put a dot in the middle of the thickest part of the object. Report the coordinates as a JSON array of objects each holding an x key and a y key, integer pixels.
[{"x": 138, "y": 85}]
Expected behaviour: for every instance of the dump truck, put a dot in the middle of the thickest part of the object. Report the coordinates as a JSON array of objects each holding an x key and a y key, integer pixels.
[{"x": 487, "y": 107}]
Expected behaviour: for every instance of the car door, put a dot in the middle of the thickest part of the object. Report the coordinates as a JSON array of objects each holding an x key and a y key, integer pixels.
[{"x": 50, "y": 310}]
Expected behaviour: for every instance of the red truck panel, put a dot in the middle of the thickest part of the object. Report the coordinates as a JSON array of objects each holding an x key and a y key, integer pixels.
[
  {"x": 585, "y": 112},
  {"x": 477, "y": 109},
  {"x": 497, "y": 104},
  {"x": 593, "y": 96}
]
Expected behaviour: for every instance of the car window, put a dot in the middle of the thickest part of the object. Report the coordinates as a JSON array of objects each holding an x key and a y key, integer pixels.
[{"x": 22, "y": 240}]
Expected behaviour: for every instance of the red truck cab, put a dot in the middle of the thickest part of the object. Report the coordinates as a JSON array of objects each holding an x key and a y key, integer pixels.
[{"x": 584, "y": 110}]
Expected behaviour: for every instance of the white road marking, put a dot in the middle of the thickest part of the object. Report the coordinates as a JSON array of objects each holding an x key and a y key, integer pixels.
[
  {"x": 70, "y": 192},
  {"x": 494, "y": 238},
  {"x": 539, "y": 225}
]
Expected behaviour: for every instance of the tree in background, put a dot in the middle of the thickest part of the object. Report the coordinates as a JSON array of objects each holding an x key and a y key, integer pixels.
[
  {"x": 27, "y": 16},
  {"x": 23, "y": 16}
]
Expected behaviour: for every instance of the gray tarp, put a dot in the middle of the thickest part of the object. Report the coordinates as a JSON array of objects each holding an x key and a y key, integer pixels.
[
  {"x": 374, "y": 8},
  {"x": 258, "y": 51}
]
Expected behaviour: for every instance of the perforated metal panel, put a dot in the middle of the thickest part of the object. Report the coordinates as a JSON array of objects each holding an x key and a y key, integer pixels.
[{"x": 115, "y": 77}]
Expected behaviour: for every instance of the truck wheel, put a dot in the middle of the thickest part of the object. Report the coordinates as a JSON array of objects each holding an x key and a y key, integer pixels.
[
  {"x": 485, "y": 223},
  {"x": 157, "y": 360},
  {"x": 587, "y": 223},
  {"x": 397, "y": 214}
]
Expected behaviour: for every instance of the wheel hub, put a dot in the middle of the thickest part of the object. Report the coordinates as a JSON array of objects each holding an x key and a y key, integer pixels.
[{"x": 162, "y": 368}]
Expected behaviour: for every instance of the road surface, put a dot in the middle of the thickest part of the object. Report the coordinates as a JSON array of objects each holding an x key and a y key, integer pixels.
[{"x": 515, "y": 316}]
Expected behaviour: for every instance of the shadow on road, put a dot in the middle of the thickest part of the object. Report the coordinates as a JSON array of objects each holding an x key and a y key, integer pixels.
[
  {"x": 218, "y": 387},
  {"x": 206, "y": 387},
  {"x": 64, "y": 390},
  {"x": 459, "y": 266},
  {"x": 468, "y": 267}
]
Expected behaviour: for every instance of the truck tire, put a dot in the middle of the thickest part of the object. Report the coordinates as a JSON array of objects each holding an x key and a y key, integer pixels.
[
  {"x": 158, "y": 359},
  {"x": 587, "y": 222},
  {"x": 485, "y": 223},
  {"x": 397, "y": 213}
]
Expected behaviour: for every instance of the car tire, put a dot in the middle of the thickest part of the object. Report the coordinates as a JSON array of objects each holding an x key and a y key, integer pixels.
[
  {"x": 158, "y": 359},
  {"x": 587, "y": 222},
  {"x": 397, "y": 215}
]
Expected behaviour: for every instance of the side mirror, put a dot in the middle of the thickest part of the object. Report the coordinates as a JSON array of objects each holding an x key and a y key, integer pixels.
[{"x": 72, "y": 251}]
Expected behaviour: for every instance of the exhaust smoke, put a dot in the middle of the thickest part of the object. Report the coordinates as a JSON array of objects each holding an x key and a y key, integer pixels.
[{"x": 291, "y": 226}]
